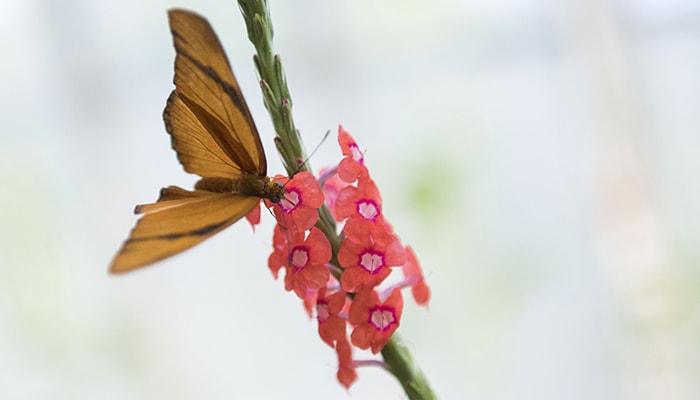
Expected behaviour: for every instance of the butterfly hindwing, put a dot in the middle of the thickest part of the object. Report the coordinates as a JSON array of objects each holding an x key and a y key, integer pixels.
[{"x": 180, "y": 220}]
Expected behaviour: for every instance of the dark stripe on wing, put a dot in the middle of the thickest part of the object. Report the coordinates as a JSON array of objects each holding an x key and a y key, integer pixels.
[
  {"x": 209, "y": 229},
  {"x": 211, "y": 123}
]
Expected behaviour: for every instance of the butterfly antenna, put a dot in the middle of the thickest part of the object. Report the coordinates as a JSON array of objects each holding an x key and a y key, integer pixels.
[{"x": 301, "y": 165}]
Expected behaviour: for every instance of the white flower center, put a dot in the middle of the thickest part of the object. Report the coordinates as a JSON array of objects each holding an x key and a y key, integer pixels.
[
  {"x": 371, "y": 261},
  {"x": 322, "y": 311},
  {"x": 356, "y": 153},
  {"x": 290, "y": 201},
  {"x": 368, "y": 210},
  {"x": 299, "y": 258},
  {"x": 382, "y": 319}
]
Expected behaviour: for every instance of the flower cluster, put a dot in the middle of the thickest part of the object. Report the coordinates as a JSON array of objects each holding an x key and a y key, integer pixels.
[{"x": 343, "y": 285}]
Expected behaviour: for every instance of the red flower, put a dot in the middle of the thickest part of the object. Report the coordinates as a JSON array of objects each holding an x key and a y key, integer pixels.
[
  {"x": 414, "y": 277},
  {"x": 332, "y": 185},
  {"x": 298, "y": 209},
  {"x": 253, "y": 216},
  {"x": 306, "y": 262},
  {"x": 362, "y": 205},
  {"x": 278, "y": 258},
  {"x": 375, "y": 321},
  {"x": 310, "y": 302},
  {"x": 353, "y": 165},
  {"x": 312, "y": 295},
  {"x": 363, "y": 199},
  {"x": 346, "y": 369},
  {"x": 367, "y": 263},
  {"x": 331, "y": 327}
]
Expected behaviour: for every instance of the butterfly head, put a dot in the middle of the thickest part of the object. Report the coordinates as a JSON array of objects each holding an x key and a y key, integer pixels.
[{"x": 274, "y": 191}]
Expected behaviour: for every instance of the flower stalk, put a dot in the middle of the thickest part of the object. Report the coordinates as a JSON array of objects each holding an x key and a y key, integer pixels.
[
  {"x": 399, "y": 362},
  {"x": 278, "y": 101},
  {"x": 396, "y": 357},
  {"x": 273, "y": 84}
]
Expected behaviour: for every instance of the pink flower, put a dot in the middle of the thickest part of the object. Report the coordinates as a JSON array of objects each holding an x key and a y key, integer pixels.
[
  {"x": 298, "y": 209},
  {"x": 362, "y": 206},
  {"x": 253, "y": 216},
  {"x": 414, "y": 277},
  {"x": 332, "y": 185},
  {"x": 331, "y": 327},
  {"x": 278, "y": 258},
  {"x": 375, "y": 321},
  {"x": 306, "y": 262},
  {"x": 326, "y": 281},
  {"x": 367, "y": 263},
  {"x": 353, "y": 165},
  {"x": 312, "y": 295},
  {"x": 346, "y": 369},
  {"x": 310, "y": 302}
]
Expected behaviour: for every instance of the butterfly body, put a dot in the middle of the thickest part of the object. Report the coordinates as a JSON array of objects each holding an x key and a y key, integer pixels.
[
  {"x": 214, "y": 136},
  {"x": 250, "y": 185}
]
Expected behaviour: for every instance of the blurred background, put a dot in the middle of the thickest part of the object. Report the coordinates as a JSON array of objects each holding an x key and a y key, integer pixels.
[{"x": 540, "y": 156}]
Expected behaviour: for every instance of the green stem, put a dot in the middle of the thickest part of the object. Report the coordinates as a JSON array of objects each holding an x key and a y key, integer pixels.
[
  {"x": 400, "y": 363},
  {"x": 278, "y": 102},
  {"x": 274, "y": 85}
]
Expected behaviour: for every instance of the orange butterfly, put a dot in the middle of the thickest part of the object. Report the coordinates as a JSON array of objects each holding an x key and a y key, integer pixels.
[{"x": 214, "y": 136}]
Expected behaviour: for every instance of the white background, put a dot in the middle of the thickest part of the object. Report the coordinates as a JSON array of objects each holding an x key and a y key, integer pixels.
[{"x": 540, "y": 156}]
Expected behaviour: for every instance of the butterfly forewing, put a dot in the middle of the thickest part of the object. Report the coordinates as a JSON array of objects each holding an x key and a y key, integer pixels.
[
  {"x": 206, "y": 85},
  {"x": 198, "y": 151}
]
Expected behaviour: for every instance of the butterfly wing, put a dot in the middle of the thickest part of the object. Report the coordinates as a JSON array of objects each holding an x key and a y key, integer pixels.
[
  {"x": 214, "y": 136},
  {"x": 197, "y": 149},
  {"x": 216, "y": 112},
  {"x": 179, "y": 220}
]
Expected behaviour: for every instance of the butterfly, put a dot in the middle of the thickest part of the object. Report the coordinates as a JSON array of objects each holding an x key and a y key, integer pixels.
[{"x": 215, "y": 137}]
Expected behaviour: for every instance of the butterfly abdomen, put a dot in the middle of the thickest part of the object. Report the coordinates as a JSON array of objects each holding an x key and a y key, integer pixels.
[{"x": 249, "y": 185}]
